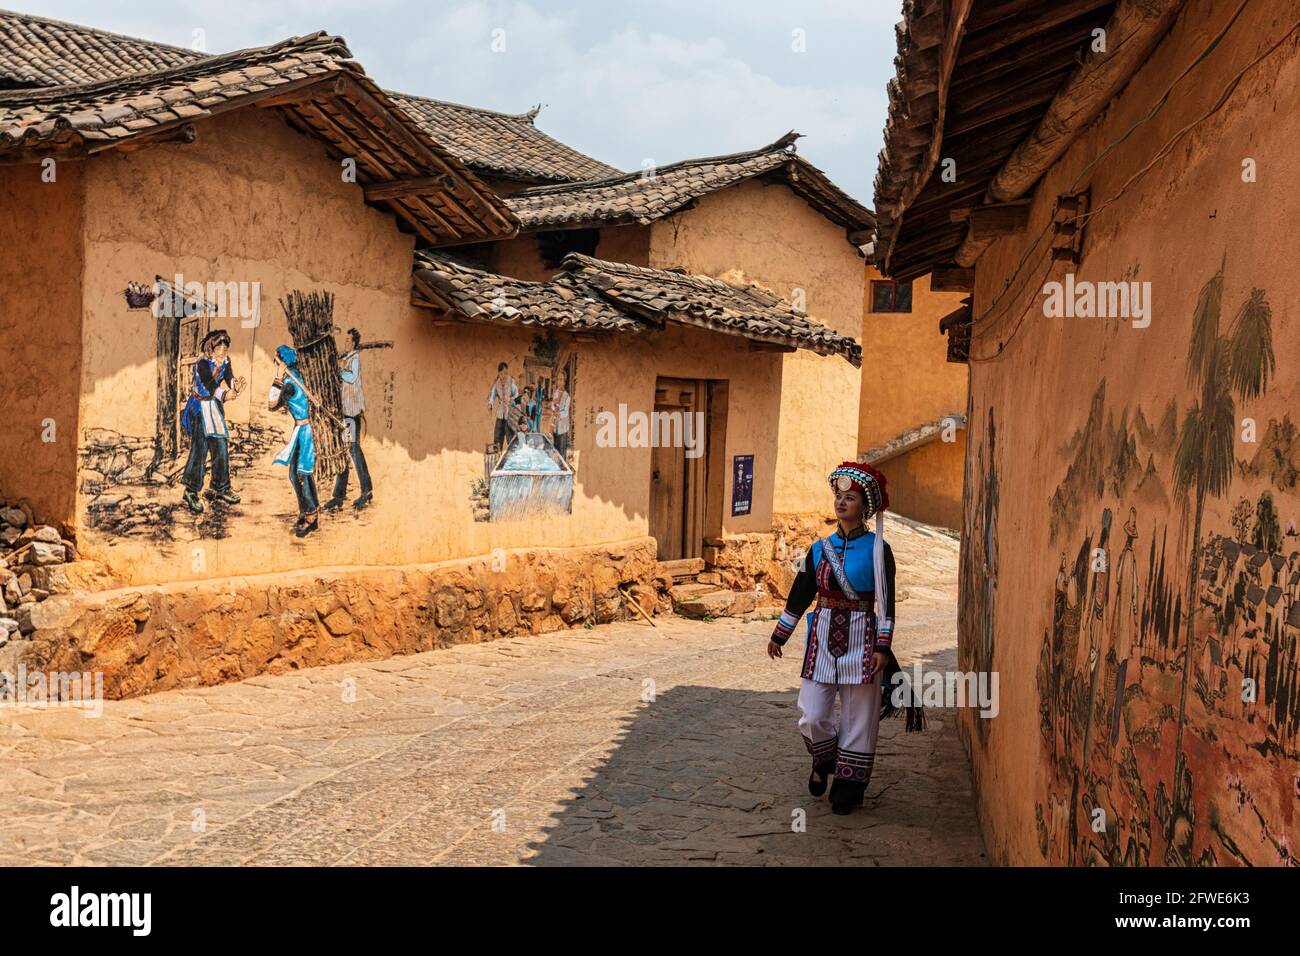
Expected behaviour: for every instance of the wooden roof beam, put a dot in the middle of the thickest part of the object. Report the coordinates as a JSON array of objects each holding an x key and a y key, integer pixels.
[
  {"x": 418, "y": 185},
  {"x": 951, "y": 279},
  {"x": 1132, "y": 33}
]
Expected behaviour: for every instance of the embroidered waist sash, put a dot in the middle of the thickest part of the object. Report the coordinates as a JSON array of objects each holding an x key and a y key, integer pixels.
[{"x": 840, "y": 602}]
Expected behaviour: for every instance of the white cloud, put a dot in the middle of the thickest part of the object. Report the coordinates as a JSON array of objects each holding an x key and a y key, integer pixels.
[{"x": 661, "y": 79}]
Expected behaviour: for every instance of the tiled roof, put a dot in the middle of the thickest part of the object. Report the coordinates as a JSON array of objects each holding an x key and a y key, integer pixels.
[
  {"x": 595, "y": 295},
  {"x": 642, "y": 197},
  {"x": 968, "y": 104},
  {"x": 453, "y": 286},
  {"x": 913, "y": 438},
  {"x": 317, "y": 88},
  {"x": 671, "y": 295},
  {"x": 35, "y": 51},
  {"x": 38, "y": 52},
  {"x": 501, "y": 144}
]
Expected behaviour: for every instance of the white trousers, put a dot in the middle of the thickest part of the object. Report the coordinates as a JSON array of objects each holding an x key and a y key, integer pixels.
[{"x": 851, "y": 745}]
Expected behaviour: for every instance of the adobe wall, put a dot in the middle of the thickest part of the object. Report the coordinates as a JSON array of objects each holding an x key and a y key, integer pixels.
[
  {"x": 925, "y": 483},
  {"x": 768, "y": 236},
  {"x": 1078, "y": 567},
  {"x": 40, "y": 326},
  {"x": 521, "y": 258},
  {"x": 217, "y": 210},
  {"x": 907, "y": 379}
]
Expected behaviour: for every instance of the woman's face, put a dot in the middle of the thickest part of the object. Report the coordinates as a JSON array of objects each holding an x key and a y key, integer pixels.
[
  {"x": 849, "y": 506},
  {"x": 219, "y": 352}
]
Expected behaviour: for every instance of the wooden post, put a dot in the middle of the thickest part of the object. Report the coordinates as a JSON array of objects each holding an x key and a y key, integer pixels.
[{"x": 167, "y": 344}]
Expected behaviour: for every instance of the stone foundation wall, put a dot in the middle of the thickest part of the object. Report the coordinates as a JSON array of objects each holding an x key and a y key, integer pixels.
[
  {"x": 746, "y": 561},
  {"x": 146, "y": 639}
]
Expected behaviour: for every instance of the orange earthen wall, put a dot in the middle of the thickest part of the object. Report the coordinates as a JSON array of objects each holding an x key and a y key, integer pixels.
[
  {"x": 1074, "y": 435},
  {"x": 925, "y": 483},
  {"x": 907, "y": 379},
  {"x": 768, "y": 236},
  {"x": 40, "y": 328},
  {"x": 220, "y": 210}
]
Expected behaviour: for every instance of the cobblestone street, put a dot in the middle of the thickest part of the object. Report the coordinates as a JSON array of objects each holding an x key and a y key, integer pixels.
[{"x": 621, "y": 744}]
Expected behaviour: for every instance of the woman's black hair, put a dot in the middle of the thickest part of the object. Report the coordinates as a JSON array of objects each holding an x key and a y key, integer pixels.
[
  {"x": 214, "y": 338},
  {"x": 356, "y": 337}
]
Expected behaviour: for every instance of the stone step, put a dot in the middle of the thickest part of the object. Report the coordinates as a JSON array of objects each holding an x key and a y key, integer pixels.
[
  {"x": 682, "y": 568},
  {"x": 714, "y": 602},
  {"x": 691, "y": 590}
]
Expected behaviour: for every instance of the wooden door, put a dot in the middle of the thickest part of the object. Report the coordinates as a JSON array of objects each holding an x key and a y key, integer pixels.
[{"x": 677, "y": 483}]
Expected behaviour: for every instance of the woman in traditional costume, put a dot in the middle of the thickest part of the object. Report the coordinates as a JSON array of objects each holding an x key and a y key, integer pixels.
[{"x": 848, "y": 644}]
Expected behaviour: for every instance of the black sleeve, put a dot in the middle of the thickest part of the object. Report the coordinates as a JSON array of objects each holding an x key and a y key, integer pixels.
[{"x": 205, "y": 376}]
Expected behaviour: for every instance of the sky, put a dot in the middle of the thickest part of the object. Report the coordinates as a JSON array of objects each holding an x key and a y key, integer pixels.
[{"x": 630, "y": 82}]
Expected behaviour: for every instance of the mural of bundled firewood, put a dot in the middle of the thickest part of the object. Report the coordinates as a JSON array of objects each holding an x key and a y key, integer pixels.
[{"x": 310, "y": 316}]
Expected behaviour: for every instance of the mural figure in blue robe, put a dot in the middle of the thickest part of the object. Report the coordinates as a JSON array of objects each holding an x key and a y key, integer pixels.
[
  {"x": 290, "y": 394},
  {"x": 204, "y": 419}
]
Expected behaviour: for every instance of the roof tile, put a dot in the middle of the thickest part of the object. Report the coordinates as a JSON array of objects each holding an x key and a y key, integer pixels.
[
  {"x": 501, "y": 144},
  {"x": 641, "y": 198}
]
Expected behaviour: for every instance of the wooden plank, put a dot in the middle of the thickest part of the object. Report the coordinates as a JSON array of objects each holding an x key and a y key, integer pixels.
[
  {"x": 1046, "y": 16},
  {"x": 417, "y": 185},
  {"x": 319, "y": 87},
  {"x": 185, "y": 133},
  {"x": 952, "y": 279},
  {"x": 1003, "y": 219}
]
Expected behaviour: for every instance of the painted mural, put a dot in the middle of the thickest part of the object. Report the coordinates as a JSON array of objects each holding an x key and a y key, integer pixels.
[
  {"x": 528, "y": 467},
  {"x": 203, "y": 472},
  {"x": 979, "y": 566},
  {"x": 1169, "y": 708}
]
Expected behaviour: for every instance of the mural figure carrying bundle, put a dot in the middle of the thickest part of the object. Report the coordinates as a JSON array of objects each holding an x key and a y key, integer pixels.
[
  {"x": 290, "y": 394},
  {"x": 354, "y": 412}
]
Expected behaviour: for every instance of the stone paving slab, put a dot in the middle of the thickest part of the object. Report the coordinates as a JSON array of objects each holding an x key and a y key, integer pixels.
[{"x": 622, "y": 744}]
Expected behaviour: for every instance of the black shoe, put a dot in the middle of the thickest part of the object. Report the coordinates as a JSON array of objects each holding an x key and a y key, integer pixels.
[
  {"x": 306, "y": 526},
  {"x": 334, "y": 504},
  {"x": 192, "y": 502},
  {"x": 846, "y": 794},
  {"x": 817, "y": 781},
  {"x": 226, "y": 497},
  {"x": 364, "y": 500}
]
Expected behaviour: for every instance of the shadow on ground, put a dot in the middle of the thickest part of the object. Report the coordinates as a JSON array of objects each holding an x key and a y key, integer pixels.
[{"x": 709, "y": 775}]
